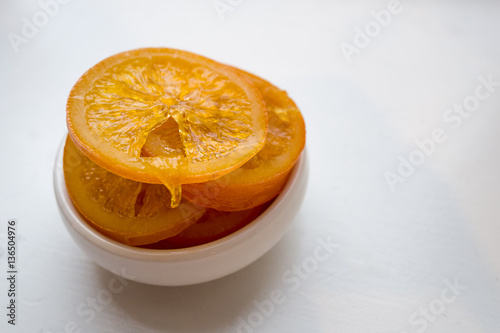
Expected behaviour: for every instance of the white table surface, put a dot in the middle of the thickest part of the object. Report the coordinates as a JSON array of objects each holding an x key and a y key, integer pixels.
[{"x": 398, "y": 251}]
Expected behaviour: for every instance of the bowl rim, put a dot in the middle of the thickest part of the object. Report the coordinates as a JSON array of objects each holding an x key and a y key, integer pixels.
[{"x": 73, "y": 219}]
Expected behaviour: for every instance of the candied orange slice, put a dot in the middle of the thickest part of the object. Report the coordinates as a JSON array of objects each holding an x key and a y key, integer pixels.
[
  {"x": 220, "y": 117},
  {"x": 211, "y": 226},
  {"x": 262, "y": 177},
  {"x": 130, "y": 212}
]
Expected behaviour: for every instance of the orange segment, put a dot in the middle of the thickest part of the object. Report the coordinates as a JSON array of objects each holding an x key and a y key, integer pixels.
[
  {"x": 113, "y": 108},
  {"x": 128, "y": 211},
  {"x": 262, "y": 177}
]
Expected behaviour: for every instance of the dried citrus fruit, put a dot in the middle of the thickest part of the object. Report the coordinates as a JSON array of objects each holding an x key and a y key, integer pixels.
[
  {"x": 220, "y": 116},
  {"x": 211, "y": 226},
  {"x": 131, "y": 212},
  {"x": 262, "y": 177}
]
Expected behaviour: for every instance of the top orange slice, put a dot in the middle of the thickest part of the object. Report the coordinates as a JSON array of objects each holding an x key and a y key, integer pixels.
[{"x": 220, "y": 117}]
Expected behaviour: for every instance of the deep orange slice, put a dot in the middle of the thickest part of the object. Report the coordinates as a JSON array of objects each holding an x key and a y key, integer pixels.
[
  {"x": 220, "y": 117},
  {"x": 212, "y": 226},
  {"x": 130, "y": 212}
]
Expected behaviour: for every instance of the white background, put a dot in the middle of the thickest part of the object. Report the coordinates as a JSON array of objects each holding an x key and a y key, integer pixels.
[{"x": 396, "y": 248}]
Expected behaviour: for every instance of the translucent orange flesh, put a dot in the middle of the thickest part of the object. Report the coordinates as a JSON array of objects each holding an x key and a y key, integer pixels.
[
  {"x": 220, "y": 119},
  {"x": 131, "y": 212}
]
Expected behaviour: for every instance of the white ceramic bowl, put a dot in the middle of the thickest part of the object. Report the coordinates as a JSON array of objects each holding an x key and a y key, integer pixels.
[{"x": 189, "y": 265}]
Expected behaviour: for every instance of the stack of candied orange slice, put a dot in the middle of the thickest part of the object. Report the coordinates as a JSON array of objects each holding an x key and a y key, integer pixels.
[{"x": 169, "y": 149}]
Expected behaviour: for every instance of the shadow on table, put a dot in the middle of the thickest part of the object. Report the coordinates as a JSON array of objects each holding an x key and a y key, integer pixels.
[{"x": 209, "y": 307}]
